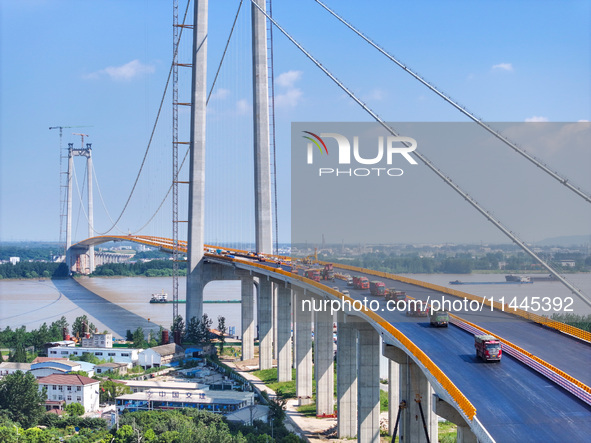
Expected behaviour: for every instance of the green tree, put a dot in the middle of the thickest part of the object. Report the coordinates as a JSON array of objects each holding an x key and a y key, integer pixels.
[
  {"x": 178, "y": 325},
  {"x": 194, "y": 330},
  {"x": 139, "y": 340},
  {"x": 81, "y": 326},
  {"x": 223, "y": 330},
  {"x": 19, "y": 355},
  {"x": 109, "y": 390},
  {"x": 21, "y": 400},
  {"x": 204, "y": 327},
  {"x": 75, "y": 409}
]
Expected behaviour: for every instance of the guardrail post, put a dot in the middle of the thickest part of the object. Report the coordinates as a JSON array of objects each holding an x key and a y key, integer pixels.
[
  {"x": 346, "y": 377},
  {"x": 265, "y": 322},
  {"x": 324, "y": 362},
  {"x": 283, "y": 327},
  {"x": 368, "y": 384},
  {"x": 303, "y": 348}
]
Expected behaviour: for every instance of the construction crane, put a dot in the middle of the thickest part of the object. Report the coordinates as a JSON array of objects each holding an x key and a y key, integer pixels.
[{"x": 81, "y": 137}]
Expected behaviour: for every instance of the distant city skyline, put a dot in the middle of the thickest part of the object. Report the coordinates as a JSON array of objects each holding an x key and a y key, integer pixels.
[{"x": 103, "y": 66}]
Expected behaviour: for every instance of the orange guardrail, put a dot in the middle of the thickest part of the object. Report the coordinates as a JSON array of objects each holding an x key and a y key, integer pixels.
[
  {"x": 559, "y": 326},
  {"x": 443, "y": 380}
]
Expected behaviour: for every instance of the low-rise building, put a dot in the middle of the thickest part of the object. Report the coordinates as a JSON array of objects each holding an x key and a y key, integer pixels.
[
  {"x": 160, "y": 355},
  {"x": 153, "y": 385},
  {"x": 72, "y": 389},
  {"x": 45, "y": 368},
  {"x": 114, "y": 368},
  {"x": 8, "y": 367},
  {"x": 223, "y": 402},
  {"x": 119, "y": 355},
  {"x": 97, "y": 341}
]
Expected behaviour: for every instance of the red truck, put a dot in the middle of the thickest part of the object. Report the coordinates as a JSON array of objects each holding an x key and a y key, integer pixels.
[
  {"x": 327, "y": 272},
  {"x": 312, "y": 274},
  {"x": 377, "y": 288},
  {"x": 417, "y": 308},
  {"x": 392, "y": 294},
  {"x": 488, "y": 347},
  {"x": 360, "y": 282}
]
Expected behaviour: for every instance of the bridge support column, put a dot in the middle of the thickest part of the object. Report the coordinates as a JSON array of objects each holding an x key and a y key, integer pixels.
[
  {"x": 413, "y": 386},
  {"x": 445, "y": 410},
  {"x": 194, "y": 306},
  {"x": 303, "y": 349},
  {"x": 393, "y": 394},
  {"x": 275, "y": 322},
  {"x": 346, "y": 377},
  {"x": 265, "y": 321},
  {"x": 324, "y": 362},
  {"x": 368, "y": 384},
  {"x": 283, "y": 328},
  {"x": 247, "y": 289}
]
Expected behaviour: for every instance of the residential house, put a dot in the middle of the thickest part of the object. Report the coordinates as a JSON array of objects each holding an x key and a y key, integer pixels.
[
  {"x": 71, "y": 389},
  {"x": 97, "y": 341},
  {"x": 160, "y": 355},
  {"x": 9, "y": 367},
  {"x": 114, "y": 368}
]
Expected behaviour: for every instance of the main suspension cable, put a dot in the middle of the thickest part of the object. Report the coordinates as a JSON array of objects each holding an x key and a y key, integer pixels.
[
  {"x": 540, "y": 164},
  {"x": 431, "y": 166}
]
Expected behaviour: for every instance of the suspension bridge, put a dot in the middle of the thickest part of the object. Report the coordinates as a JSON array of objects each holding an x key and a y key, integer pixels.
[{"x": 540, "y": 392}]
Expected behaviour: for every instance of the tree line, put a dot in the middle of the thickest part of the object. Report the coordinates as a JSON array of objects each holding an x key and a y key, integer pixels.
[{"x": 154, "y": 268}]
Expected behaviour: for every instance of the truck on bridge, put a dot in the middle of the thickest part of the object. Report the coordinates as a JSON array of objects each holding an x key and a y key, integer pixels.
[
  {"x": 488, "y": 347},
  {"x": 377, "y": 288},
  {"x": 439, "y": 318},
  {"x": 393, "y": 294},
  {"x": 312, "y": 274},
  {"x": 360, "y": 282},
  {"x": 327, "y": 272}
]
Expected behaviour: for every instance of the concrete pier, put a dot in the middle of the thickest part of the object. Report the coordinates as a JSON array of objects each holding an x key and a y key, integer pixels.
[
  {"x": 303, "y": 349},
  {"x": 248, "y": 331},
  {"x": 283, "y": 330},
  {"x": 414, "y": 387},
  {"x": 265, "y": 322},
  {"x": 368, "y": 384},
  {"x": 445, "y": 410},
  {"x": 346, "y": 377},
  {"x": 393, "y": 394},
  {"x": 324, "y": 362}
]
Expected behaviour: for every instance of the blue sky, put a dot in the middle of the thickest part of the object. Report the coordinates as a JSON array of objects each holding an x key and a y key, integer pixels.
[{"x": 104, "y": 65}]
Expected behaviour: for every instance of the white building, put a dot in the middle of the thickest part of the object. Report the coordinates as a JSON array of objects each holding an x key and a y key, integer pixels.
[
  {"x": 14, "y": 260},
  {"x": 8, "y": 367},
  {"x": 98, "y": 341},
  {"x": 160, "y": 355},
  {"x": 72, "y": 389},
  {"x": 45, "y": 368},
  {"x": 119, "y": 355}
]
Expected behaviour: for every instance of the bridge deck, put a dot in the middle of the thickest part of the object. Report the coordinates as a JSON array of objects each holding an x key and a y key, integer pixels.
[{"x": 543, "y": 412}]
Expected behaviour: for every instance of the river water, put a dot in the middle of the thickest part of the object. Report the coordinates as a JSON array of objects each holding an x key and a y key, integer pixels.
[{"x": 121, "y": 303}]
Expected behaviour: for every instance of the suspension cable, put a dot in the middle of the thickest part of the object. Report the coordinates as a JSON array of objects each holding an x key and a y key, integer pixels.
[
  {"x": 224, "y": 53},
  {"x": 207, "y": 102},
  {"x": 540, "y": 164},
  {"x": 103, "y": 201},
  {"x": 431, "y": 166},
  {"x": 151, "y": 136}
]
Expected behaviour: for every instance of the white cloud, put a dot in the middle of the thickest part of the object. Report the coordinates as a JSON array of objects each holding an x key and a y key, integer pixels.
[
  {"x": 288, "y": 79},
  {"x": 288, "y": 100},
  {"x": 504, "y": 66},
  {"x": 242, "y": 106},
  {"x": 220, "y": 94},
  {"x": 375, "y": 94},
  {"x": 291, "y": 95},
  {"x": 536, "y": 119},
  {"x": 123, "y": 72}
]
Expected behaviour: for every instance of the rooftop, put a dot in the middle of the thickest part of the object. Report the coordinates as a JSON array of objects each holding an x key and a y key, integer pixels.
[{"x": 66, "y": 379}]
